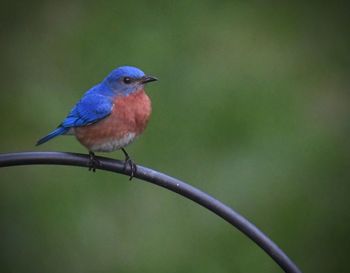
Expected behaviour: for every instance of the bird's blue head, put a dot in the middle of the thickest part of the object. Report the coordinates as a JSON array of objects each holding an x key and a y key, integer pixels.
[{"x": 126, "y": 79}]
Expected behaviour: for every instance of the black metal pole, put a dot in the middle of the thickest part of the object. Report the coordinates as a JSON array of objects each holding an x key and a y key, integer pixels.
[{"x": 160, "y": 179}]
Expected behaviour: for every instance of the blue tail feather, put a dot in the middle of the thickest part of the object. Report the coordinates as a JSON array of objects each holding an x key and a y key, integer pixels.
[{"x": 58, "y": 131}]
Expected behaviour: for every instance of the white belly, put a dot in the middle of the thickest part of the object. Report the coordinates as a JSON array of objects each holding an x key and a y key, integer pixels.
[{"x": 110, "y": 145}]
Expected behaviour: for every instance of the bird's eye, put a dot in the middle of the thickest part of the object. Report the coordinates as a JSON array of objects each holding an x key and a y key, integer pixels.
[{"x": 127, "y": 80}]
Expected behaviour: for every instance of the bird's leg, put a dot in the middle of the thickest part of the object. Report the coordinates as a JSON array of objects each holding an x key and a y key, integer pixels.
[
  {"x": 129, "y": 162},
  {"x": 93, "y": 162}
]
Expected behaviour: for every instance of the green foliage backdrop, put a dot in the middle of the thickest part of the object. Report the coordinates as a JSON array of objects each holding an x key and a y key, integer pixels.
[{"x": 252, "y": 107}]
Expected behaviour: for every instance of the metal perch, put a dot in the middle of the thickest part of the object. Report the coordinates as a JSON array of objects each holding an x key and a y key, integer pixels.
[{"x": 160, "y": 179}]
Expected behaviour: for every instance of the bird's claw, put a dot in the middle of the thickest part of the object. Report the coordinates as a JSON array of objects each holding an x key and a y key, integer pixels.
[
  {"x": 132, "y": 165},
  {"x": 93, "y": 162}
]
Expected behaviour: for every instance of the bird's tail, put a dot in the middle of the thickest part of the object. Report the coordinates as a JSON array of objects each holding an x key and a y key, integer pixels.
[{"x": 58, "y": 131}]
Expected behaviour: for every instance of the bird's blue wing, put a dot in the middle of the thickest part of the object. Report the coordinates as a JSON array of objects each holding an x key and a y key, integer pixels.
[{"x": 90, "y": 109}]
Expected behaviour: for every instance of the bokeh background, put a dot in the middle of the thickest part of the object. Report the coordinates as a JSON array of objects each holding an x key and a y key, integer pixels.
[{"x": 252, "y": 107}]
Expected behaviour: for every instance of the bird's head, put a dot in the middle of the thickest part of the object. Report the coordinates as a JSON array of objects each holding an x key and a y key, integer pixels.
[{"x": 126, "y": 80}]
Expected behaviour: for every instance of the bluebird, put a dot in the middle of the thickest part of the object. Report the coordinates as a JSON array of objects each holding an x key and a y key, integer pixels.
[{"x": 109, "y": 116}]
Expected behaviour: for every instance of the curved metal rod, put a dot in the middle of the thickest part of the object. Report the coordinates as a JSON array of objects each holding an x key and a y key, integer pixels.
[{"x": 160, "y": 179}]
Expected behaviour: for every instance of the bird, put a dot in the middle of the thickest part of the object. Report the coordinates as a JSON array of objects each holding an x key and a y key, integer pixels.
[{"x": 110, "y": 115}]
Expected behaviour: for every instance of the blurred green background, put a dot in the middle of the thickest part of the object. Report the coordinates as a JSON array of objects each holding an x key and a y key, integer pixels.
[{"x": 252, "y": 107}]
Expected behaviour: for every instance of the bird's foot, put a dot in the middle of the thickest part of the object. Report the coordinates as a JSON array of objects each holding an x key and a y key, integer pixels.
[
  {"x": 93, "y": 162},
  {"x": 132, "y": 165}
]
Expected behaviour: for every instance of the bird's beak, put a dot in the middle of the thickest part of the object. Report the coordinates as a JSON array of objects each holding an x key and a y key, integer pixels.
[{"x": 146, "y": 79}]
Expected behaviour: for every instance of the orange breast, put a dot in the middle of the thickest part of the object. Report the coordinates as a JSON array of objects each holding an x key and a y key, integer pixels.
[{"x": 128, "y": 119}]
